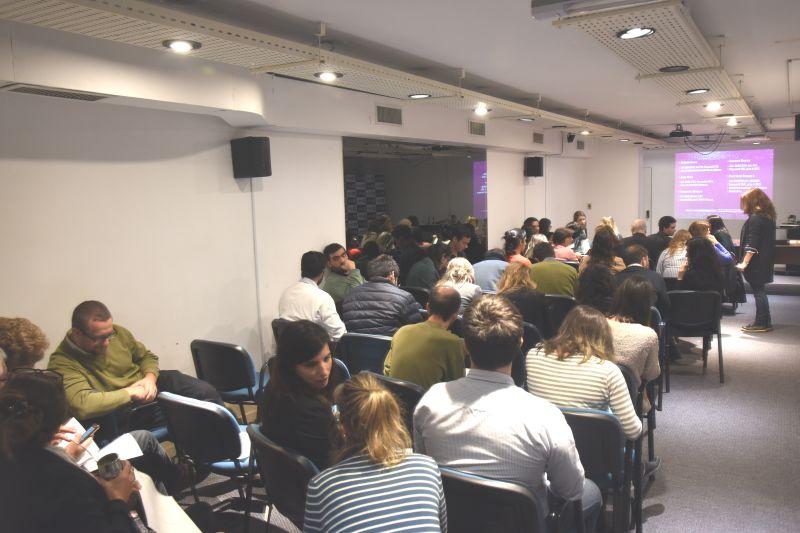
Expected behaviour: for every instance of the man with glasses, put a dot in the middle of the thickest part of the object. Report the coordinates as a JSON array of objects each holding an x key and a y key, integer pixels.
[{"x": 105, "y": 368}]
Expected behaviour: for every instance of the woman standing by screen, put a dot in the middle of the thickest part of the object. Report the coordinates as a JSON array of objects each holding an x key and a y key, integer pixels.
[{"x": 756, "y": 254}]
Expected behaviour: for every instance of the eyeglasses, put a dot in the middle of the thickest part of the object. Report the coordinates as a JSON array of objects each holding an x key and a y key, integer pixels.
[
  {"x": 25, "y": 371},
  {"x": 100, "y": 338}
]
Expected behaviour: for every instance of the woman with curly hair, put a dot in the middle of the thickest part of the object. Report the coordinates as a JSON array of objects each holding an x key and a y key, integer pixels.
[
  {"x": 23, "y": 342},
  {"x": 757, "y": 254},
  {"x": 603, "y": 251},
  {"x": 461, "y": 276}
]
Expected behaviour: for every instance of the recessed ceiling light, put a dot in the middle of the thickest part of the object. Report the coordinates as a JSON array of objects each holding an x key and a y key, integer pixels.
[
  {"x": 328, "y": 76},
  {"x": 697, "y": 91},
  {"x": 419, "y": 96},
  {"x": 624, "y": 140},
  {"x": 756, "y": 142},
  {"x": 525, "y": 119},
  {"x": 674, "y": 68},
  {"x": 481, "y": 109},
  {"x": 714, "y": 106},
  {"x": 732, "y": 122},
  {"x": 181, "y": 46},
  {"x": 585, "y": 132},
  {"x": 635, "y": 33}
]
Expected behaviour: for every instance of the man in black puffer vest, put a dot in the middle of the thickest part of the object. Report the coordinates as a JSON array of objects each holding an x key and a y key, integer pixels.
[{"x": 379, "y": 307}]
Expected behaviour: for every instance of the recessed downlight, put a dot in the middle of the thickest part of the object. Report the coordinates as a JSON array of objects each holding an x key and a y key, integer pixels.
[
  {"x": 419, "y": 96},
  {"x": 714, "y": 106},
  {"x": 698, "y": 91},
  {"x": 328, "y": 76},
  {"x": 635, "y": 33},
  {"x": 181, "y": 46},
  {"x": 624, "y": 140},
  {"x": 756, "y": 142},
  {"x": 674, "y": 68},
  {"x": 732, "y": 122},
  {"x": 585, "y": 132},
  {"x": 481, "y": 109},
  {"x": 525, "y": 119}
]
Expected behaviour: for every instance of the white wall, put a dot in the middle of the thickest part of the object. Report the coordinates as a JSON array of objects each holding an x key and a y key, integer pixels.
[
  {"x": 610, "y": 185},
  {"x": 785, "y": 183},
  {"x": 506, "y": 192}
]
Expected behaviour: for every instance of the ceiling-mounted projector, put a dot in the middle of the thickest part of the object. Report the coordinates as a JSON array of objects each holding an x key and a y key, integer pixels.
[
  {"x": 551, "y": 9},
  {"x": 680, "y": 132}
]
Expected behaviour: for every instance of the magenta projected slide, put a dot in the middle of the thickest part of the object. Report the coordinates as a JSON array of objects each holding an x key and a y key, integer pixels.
[
  {"x": 713, "y": 184},
  {"x": 479, "y": 189}
]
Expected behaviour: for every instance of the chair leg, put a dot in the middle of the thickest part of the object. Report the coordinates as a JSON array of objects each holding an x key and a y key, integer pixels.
[
  {"x": 719, "y": 350},
  {"x": 269, "y": 516},
  {"x": 244, "y": 416},
  {"x": 706, "y": 347}
]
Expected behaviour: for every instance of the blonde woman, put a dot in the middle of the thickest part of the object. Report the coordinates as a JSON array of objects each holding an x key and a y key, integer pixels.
[
  {"x": 377, "y": 470},
  {"x": 517, "y": 287},
  {"x": 461, "y": 276},
  {"x": 609, "y": 221},
  {"x": 673, "y": 257},
  {"x": 576, "y": 369}
]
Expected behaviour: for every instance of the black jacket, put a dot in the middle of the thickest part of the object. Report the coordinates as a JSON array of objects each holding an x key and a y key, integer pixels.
[
  {"x": 655, "y": 244},
  {"x": 379, "y": 307},
  {"x": 636, "y": 238},
  {"x": 43, "y": 492},
  {"x": 758, "y": 236},
  {"x": 655, "y": 279}
]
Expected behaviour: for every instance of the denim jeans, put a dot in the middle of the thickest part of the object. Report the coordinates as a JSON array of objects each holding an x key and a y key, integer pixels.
[{"x": 763, "y": 317}]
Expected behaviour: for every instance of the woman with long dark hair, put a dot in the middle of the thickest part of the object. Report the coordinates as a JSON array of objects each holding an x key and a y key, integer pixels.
[
  {"x": 757, "y": 254},
  {"x": 603, "y": 251},
  {"x": 378, "y": 483},
  {"x": 720, "y": 232},
  {"x": 701, "y": 271},
  {"x": 296, "y": 404},
  {"x": 596, "y": 288}
]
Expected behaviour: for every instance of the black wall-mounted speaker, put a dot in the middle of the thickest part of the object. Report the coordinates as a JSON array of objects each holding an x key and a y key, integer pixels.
[
  {"x": 534, "y": 167},
  {"x": 250, "y": 157}
]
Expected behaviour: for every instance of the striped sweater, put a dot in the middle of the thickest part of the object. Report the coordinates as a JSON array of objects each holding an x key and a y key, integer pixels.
[
  {"x": 359, "y": 495},
  {"x": 595, "y": 384}
]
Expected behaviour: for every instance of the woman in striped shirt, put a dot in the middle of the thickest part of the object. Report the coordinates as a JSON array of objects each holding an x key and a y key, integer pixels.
[
  {"x": 576, "y": 369},
  {"x": 673, "y": 257},
  {"x": 379, "y": 485}
]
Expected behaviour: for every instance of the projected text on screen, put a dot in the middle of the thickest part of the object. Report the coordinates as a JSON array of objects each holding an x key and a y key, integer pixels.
[
  {"x": 713, "y": 184},
  {"x": 479, "y": 189}
]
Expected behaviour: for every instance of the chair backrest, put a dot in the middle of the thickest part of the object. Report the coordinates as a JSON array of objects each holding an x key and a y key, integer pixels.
[
  {"x": 362, "y": 351},
  {"x": 530, "y": 338},
  {"x": 695, "y": 311},
  {"x": 457, "y": 327},
  {"x": 225, "y": 366},
  {"x": 285, "y": 474},
  {"x": 600, "y": 443},
  {"x": 633, "y": 389},
  {"x": 558, "y": 305},
  {"x": 342, "y": 367},
  {"x": 477, "y": 504},
  {"x": 278, "y": 325},
  {"x": 407, "y": 394},
  {"x": 204, "y": 431},
  {"x": 421, "y": 294}
]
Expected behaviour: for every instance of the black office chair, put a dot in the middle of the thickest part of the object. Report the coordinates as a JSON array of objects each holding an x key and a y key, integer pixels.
[
  {"x": 229, "y": 368},
  {"x": 278, "y": 325},
  {"x": 558, "y": 305},
  {"x": 530, "y": 338},
  {"x": 285, "y": 475},
  {"x": 407, "y": 394},
  {"x": 207, "y": 433},
  {"x": 362, "y": 351},
  {"x": 477, "y": 504},
  {"x": 697, "y": 314},
  {"x": 657, "y": 323},
  {"x": 605, "y": 458},
  {"x": 421, "y": 294},
  {"x": 637, "y": 398}
]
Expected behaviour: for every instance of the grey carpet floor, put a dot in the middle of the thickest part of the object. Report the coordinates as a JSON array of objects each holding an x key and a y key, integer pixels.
[{"x": 729, "y": 452}]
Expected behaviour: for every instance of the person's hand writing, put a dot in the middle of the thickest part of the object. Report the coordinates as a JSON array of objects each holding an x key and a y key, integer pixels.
[
  {"x": 122, "y": 486},
  {"x": 74, "y": 448}
]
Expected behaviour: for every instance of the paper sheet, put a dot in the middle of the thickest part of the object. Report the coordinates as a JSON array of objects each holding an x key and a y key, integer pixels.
[
  {"x": 164, "y": 515},
  {"x": 124, "y": 446}
]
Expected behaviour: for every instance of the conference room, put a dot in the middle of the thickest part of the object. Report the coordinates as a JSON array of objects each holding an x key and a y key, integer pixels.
[{"x": 119, "y": 181}]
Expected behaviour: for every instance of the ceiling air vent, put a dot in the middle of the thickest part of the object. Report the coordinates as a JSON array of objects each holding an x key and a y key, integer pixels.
[
  {"x": 538, "y": 138},
  {"x": 477, "y": 128},
  {"x": 390, "y": 115},
  {"x": 581, "y": 145},
  {"x": 54, "y": 92}
]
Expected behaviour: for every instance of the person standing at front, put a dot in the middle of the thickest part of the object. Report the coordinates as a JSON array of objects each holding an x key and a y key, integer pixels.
[{"x": 757, "y": 254}]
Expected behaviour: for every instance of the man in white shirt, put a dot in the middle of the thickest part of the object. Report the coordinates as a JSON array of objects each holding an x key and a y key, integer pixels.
[
  {"x": 485, "y": 425},
  {"x": 304, "y": 300}
]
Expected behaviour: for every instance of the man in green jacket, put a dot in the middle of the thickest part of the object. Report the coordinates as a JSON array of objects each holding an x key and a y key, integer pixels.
[
  {"x": 427, "y": 353},
  {"x": 105, "y": 368},
  {"x": 342, "y": 274}
]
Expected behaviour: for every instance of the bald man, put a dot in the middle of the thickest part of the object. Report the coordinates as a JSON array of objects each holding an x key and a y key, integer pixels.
[{"x": 638, "y": 235}]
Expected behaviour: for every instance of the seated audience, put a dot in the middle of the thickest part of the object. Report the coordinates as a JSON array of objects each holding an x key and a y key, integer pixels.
[
  {"x": 427, "y": 353},
  {"x": 304, "y": 300},
  {"x": 488, "y": 271},
  {"x": 544, "y": 228},
  {"x": 610, "y": 224},
  {"x": 702, "y": 229},
  {"x": 342, "y": 274},
  {"x": 517, "y": 287},
  {"x": 533, "y": 235},
  {"x": 657, "y": 242},
  {"x": 24, "y": 344},
  {"x": 579, "y": 232},
  {"x": 550, "y": 275},
  {"x": 379, "y": 306},
  {"x": 296, "y": 402},
  {"x": 514, "y": 246},
  {"x": 378, "y": 483},
  {"x": 41, "y": 488},
  {"x": 460, "y": 237},
  {"x": 485, "y": 425},
  {"x": 460, "y": 275},
  {"x": 477, "y": 245},
  {"x": 369, "y": 251},
  {"x": 701, "y": 271},
  {"x": 596, "y": 288},
  {"x": 603, "y": 251},
  {"x": 107, "y": 370},
  {"x": 637, "y": 263},
  {"x": 380, "y": 231},
  {"x": 672, "y": 258},
  {"x": 635, "y": 342},
  {"x": 576, "y": 369},
  {"x": 409, "y": 249},
  {"x": 720, "y": 232},
  {"x": 638, "y": 234},
  {"x": 562, "y": 241},
  {"x": 426, "y": 272}
]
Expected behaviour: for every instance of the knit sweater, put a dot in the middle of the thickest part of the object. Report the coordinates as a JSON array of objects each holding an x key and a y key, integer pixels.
[
  {"x": 95, "y": 384},
  {"x": 338, "y": 285},
  {"x": 636, "y": 347}
]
